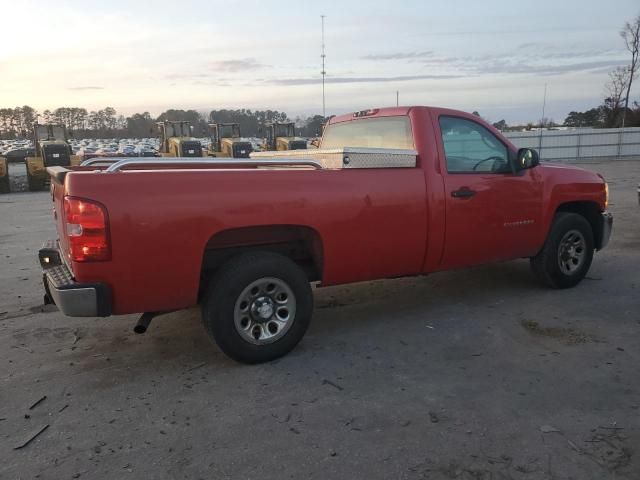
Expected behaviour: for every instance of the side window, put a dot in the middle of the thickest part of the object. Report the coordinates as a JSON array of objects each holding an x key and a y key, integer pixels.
[{"x": 471, "y": 148}]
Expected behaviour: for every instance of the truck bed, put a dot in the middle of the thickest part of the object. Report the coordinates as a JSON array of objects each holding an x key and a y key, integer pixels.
[{"x": 164, "y": 218}]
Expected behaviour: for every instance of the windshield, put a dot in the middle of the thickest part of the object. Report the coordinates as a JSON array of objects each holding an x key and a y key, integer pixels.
[
  {"x": 228, "y": 131},
  {"x": 42, "y": 133},
  {"x": 285, "y": 130},
  {"x": 382, "y": 132},
  {"x": 177, "y": 130},
  {"x": 58, "y": 132},
  {"x": 50, "y": 132}
]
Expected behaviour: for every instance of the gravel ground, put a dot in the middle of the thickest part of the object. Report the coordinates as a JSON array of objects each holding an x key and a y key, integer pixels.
[{"x": 477, "y": 374}]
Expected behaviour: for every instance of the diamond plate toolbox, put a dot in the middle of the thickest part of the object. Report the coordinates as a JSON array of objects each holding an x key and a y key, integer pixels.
[{"x": 348, "y": 157}]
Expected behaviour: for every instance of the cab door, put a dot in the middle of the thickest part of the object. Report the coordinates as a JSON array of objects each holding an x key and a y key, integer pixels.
[{"x": 492, "y": 214}]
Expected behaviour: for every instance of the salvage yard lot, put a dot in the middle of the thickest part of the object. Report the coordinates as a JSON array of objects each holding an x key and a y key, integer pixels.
[{"x": 477, "y": 374}]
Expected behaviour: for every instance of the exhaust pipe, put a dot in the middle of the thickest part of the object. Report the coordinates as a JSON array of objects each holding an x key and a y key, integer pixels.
[{"x": 143, "y": 323}]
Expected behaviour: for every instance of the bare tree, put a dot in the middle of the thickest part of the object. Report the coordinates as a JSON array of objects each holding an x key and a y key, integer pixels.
[
  {"x": 618, "y": 83},
  {"x": 631, "y": 36}
]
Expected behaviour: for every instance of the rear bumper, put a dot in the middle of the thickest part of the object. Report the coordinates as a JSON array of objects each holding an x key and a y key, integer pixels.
[
  {"x": 607, "y": 226},
  {"x": 72, "y": 298}
]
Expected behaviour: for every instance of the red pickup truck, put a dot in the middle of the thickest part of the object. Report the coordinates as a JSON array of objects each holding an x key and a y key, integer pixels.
[{"x": 391, "y": 192}]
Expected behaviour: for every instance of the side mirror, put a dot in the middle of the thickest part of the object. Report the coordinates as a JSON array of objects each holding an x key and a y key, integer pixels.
[{"x": 527, "y": 158}]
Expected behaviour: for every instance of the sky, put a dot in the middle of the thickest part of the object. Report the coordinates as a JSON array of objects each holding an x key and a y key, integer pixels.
[{"x": 492, "y": 56}]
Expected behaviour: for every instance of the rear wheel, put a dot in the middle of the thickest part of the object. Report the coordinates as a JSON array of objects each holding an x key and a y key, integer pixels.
[
  {"x": 258, "y": 307},
  {"x": 567, "y": 253}
]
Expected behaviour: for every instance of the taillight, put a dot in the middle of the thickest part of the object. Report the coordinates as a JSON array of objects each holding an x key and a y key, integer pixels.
[{"x": 87, "y": 230}]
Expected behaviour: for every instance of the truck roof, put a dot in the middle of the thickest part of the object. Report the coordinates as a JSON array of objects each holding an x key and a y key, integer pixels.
[
  {"x": 397, "y": 111},
  {"x": 374, "y": 112}
]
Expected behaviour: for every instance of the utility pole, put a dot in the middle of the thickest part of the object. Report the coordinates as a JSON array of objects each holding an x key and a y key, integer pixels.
[
  {"x": 323, "y": 72},
  {"x": 397, "y": 98},
  {"x": 544, "y": 104}
]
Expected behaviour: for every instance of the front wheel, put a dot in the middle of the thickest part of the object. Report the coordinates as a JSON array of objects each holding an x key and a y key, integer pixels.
[
  {"x": 258, "y": 307},
  {"x": 567, "y": 253}
]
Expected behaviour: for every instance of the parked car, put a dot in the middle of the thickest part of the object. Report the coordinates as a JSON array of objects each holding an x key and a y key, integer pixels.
[
  {"x": 87, "y": 151},
  {"x": 127, "y": 150},
  {"x": 391, "y": 192},
  {"x": 145, "y": 151}
]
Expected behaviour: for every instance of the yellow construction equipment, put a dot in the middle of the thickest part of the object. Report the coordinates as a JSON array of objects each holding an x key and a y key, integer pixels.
[
  {"x": 4, "y": 176},
  {"x": 176, "y": 140},
  {"x": 51, "y": 149},
  {"x": 226, "y": 141},
  {"x": 282, "y": 136}
]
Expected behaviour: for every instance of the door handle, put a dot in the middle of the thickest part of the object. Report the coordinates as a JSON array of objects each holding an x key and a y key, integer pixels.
[{"x": 463, "y": 193}]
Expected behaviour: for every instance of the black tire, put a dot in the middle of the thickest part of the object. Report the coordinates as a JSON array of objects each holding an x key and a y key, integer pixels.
[
  {"x": 35, "y": 184},
  {"x": 547, "y": 264},
  {"x": 5, "y": 186},
  {"x": 225, "y": 289}
]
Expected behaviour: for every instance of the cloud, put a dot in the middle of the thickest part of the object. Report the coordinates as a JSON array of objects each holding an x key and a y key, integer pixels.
[
  {"x": 550, "y": 51},
  {"x": 210, "y": 79},
  {"x": 314, "y": 81},
  {"x": 182, "y": 76},
  {"x": 536, "y": 29},
  {"x": 531, "y": 58},
  {"x": 529, "y": 45},
  {"x": 545, "y": 69},
  {"x": 84, "y": 88},
  {"x": 239, "y": 65},
  {"x": 399, "y": 55}
]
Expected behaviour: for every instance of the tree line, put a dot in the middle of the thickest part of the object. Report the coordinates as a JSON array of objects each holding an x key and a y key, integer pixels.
[{"x": 80, "y": 123}]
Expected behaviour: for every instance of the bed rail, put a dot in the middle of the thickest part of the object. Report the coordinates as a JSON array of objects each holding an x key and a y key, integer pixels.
[{"x": 117, "y": 164}]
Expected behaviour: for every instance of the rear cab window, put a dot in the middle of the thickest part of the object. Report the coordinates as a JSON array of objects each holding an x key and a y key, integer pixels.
[{"x": 379, "y": 132}]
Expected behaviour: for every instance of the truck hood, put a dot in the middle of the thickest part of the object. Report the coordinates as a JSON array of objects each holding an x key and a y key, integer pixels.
[
  {"x": 565, "y": 183},
  {"x": 569, "y": 172}
]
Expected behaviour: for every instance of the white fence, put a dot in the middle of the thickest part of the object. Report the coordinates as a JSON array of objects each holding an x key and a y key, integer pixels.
[{"x": 580, "y": 144}]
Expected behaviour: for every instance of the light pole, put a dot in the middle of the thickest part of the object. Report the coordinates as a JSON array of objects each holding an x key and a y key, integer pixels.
[
  {"x": 544, "y": 104},
  {"x": 323, "y": 72}
]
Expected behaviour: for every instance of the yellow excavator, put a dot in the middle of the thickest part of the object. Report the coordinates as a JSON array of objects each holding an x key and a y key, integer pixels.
[
  {"x": 176, "y": 140},
  {"x": 226, "y": 141},
  {"x": 282, "y": 136},
  {"x": 52, "y": 149}
]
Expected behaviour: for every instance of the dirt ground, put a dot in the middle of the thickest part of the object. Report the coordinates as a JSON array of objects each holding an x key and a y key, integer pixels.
[{"x": 477, "y": 374}]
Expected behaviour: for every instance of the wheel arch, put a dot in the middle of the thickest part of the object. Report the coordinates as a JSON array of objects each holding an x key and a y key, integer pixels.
[
  {"x": 591, "y": 211},
  {"x": 300, "y": 243}
]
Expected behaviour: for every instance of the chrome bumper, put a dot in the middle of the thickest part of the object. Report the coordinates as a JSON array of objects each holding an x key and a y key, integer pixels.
[{"x": 73, "y": 299}]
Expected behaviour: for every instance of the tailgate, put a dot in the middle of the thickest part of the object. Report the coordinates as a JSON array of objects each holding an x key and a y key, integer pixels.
[{"x": 58, "y": 175}]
